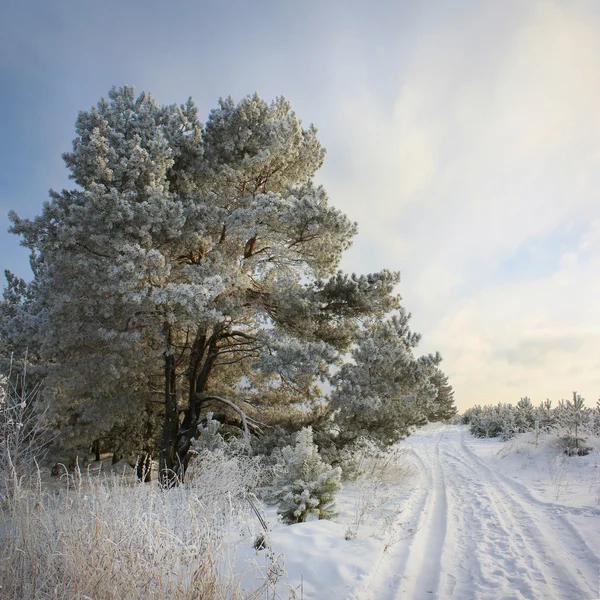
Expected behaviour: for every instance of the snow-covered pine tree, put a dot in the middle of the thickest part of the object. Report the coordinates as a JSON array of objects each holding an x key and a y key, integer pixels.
[
  {"x": 574, "y": 418},
  {"x": 507, "y": 421},
  {"x": 524, "y": 415},
  {"x": 209, "y": 437},
  {"x": 442, "y": 407},
  {"x": 545, "y": 415},
  {"x": 491, "y": 421},
  {"x": 184, "y": 251},
  {"x": 305, "y": 486},
  {"x": 596, "y": 418},
  {"x": 385, "y": 390}
]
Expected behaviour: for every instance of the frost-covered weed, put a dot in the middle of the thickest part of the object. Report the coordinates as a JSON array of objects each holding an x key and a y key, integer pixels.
[
  {"x": 392, "y": 530},
  {"x": 373, "y": 471},
  {"x": 557, "y": 472},
  {"x": 22, "y": 437}
]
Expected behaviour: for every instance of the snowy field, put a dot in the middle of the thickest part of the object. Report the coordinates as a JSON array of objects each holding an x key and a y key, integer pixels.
[
  {"x": 445, "y": 515},
  {"x": 480, "y": 519}
]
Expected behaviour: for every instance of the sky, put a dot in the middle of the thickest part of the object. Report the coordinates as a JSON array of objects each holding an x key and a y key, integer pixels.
[{"x": 462, "y": 136}]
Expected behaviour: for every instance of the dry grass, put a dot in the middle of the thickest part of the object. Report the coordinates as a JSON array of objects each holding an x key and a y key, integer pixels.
[
  {"x": 103, "y": 538},
  {"x": 374, "y": 472}
]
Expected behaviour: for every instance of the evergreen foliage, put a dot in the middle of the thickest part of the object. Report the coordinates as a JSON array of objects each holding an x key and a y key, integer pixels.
[
  {"x": 442, "y": 408},
  {"x": 386, "y": 390},
  {"x": 574, "y": 418},
  {"x": 305, "y": 486},
  {"x": 209, "y": 437}
]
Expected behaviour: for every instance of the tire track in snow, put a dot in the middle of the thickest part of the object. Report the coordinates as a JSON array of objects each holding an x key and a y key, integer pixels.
[
  {"x": 574, "y": 569},
  {"x": 490, "y": 557},
  {"x": 507, "y": 549},
  {"x": 481, "y": 536},
  {"x": 400, "y": 568},
  {"x": 423, "y": 571}
]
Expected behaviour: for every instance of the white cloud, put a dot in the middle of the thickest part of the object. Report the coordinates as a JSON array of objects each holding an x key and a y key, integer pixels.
[{"x": 492, "y": 142}]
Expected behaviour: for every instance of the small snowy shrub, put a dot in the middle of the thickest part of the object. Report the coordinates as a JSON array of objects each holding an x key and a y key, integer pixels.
[
  {"x": 491, "y": 421},
  {"x": 546, "y": 417},
  {"x": 305, "y": 486},
  {"x": 523, "y": 416},
  {"x": 573, "y": 418},
  {"x": 508, "y": 426},
  {"x": 595, "y": 419},
  {"x": 209, "y": 437},
  {"x": 574, "y": 446}
]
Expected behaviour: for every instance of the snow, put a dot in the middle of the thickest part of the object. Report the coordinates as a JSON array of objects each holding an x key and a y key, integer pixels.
[
  {"x": 318, "y": 556},
  {"x": 482, "y": 519}
]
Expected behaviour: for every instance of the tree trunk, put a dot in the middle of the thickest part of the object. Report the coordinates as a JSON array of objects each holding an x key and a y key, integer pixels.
[
  {"x": 201, "y": 368},
  {"x": 169, "y": 467},
  {"x": 178, "y": 434},
  {"x": 96, "y": 450},
  {"x": 176, "y": 439}
]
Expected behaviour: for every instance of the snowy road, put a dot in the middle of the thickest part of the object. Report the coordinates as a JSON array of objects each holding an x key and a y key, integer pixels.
[{"x": 481, "y": 535}]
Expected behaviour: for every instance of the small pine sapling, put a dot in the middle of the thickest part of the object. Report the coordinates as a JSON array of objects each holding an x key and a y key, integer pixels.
[
  {"x": 575, "y": 417},
  {"x": 305, "y": 486},
  {"x": 546, "y": 417},
  {"x": 596, "y": 418},
  {"x": 209, "y": 438}
]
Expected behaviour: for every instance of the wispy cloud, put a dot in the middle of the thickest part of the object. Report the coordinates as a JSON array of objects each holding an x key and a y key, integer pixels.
[{"x": 482, "y": 187}]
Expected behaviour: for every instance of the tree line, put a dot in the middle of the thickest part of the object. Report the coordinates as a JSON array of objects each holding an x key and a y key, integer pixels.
[{"x": 569, "y": 419}]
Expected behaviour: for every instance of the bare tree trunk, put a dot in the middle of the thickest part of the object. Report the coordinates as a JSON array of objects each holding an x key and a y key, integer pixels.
[
  {"x": 169, "y": 471},
  {"x": 96, "y": 450},
  {"x": 178, "y": 435},
  {"x": 202, "y": 363}
]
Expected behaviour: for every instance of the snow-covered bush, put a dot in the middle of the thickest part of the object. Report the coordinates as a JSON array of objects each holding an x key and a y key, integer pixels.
[
  {"x": 595, "y": 419},
  {"x": 209, "y": 438},
  {"x": 574, "y": 446},
  {"x": 545, "y": 416},
  {"x": 491, "y": 421},
  {"x": 304, "y": 487},
  {"x": 524, "y": 416}
]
